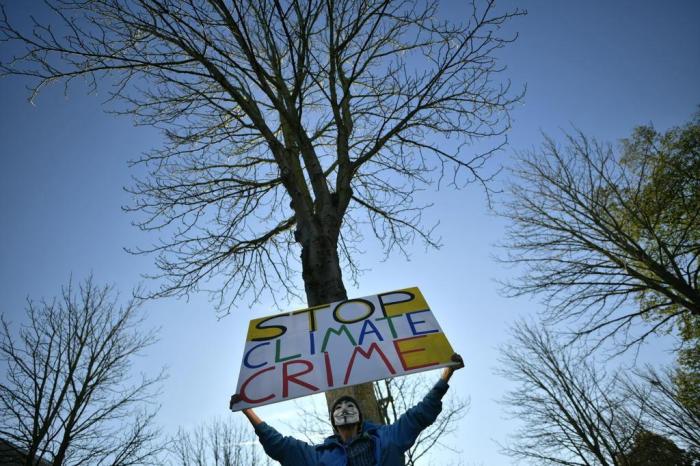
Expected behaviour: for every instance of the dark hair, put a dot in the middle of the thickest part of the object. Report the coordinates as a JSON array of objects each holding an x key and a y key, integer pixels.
[{"x": 338, "y": 401}]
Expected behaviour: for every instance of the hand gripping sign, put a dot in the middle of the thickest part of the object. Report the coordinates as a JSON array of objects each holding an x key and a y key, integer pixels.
[{"x": 335, "y": 345}]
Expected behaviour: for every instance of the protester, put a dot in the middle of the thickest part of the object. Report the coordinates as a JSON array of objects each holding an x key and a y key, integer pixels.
[{"x": 356, "y": 442}]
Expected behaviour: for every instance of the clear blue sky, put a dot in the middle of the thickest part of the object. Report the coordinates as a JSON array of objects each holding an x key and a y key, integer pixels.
[{"x": 604, "y": 67}]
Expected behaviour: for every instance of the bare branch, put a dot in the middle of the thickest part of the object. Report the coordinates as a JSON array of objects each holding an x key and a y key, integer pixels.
[
  {"x": 330, "y": 114},
  {"x": 609, "y": 240},
  {"x": 69, "y": 397},
  {"x": 571, "y": 412}
]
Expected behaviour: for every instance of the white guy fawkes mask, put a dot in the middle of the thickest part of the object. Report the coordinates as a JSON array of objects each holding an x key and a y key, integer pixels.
[{"x": 345, "y": 413}]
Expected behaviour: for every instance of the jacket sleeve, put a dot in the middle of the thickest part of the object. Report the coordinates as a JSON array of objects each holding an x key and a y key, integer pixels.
[
  {"x": 404, "y": 432},
  {"x": 287, "y": 450}
]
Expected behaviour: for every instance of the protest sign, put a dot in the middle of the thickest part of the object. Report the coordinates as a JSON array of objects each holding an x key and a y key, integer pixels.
[{"x": 335, "y": 345}]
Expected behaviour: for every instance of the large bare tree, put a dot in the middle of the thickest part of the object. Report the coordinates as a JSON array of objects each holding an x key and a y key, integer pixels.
[
  {"x": 293, "y": 126},
  {"x": 611, "y": 238},
  {"x": 570, "y": 411},
  {"x": 68, "y": 396}
]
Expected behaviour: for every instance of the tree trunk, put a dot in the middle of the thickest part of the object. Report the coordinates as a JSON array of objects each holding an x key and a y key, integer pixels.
[{"x": 323, "y": 282}]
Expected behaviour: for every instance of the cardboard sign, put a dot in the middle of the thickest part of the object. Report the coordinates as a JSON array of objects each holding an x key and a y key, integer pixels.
[{"x": 345, "y": 343}]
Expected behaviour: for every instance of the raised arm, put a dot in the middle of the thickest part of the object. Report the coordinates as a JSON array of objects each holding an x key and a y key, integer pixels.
[
  {"x": 410, "y": 424},
  {"x": 449, "y": 370},
  {"x": 286, "y": 450},
  {"x": 249, "y": 413},
  {"x": 252, "y": 417}
]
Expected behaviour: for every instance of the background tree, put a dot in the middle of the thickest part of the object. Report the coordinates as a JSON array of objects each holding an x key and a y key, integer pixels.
[
  {"x": 658, "y": 396},
  {"x": 217, "y": 443},
  {"x": 396, "y": 396},
  {"x": 68, "y": 396},
  {"x": 687, "y": 374},
  {"x": 650, "y": 449},
  {"x": 608, "y": 238},
  {"x": 572, "y": 413},
  {"x": 290, "y": 125}
]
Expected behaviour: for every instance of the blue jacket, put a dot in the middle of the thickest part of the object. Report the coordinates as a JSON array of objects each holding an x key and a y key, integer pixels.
[{"x": 390, "y": 442}]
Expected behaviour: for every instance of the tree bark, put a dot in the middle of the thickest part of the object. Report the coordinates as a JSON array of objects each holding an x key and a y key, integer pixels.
[{"x": 323, "y": 282}]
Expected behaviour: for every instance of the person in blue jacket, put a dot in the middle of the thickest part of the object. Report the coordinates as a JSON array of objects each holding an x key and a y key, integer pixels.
[{"x": 356, "y": 442}]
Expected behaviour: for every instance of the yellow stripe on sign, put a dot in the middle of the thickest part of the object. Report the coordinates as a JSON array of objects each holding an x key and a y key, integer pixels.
[
  {"x": 266, "y": 328},
  {"x": 402, "y": 301},
  {"x": 423, "y": 351}
]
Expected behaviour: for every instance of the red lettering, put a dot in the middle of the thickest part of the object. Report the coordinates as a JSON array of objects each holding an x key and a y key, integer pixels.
[
  {"x": 329, "y": 372},
  {"x": 366, "y": 354},
  {"x": 287, "y": 377},
  {"x": 245, "y": 398},
  {"x": 401, "y": 352}
]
